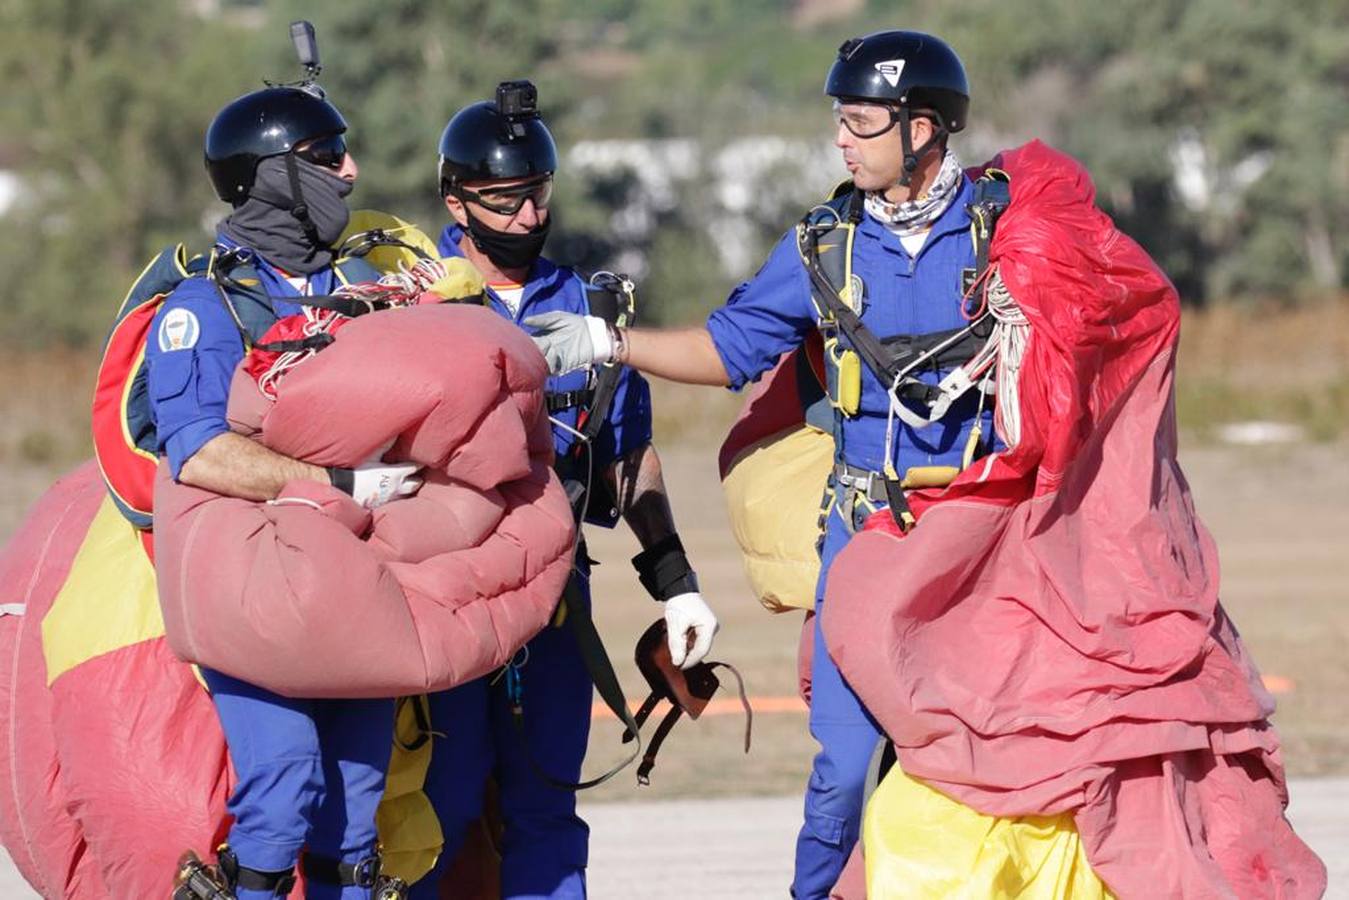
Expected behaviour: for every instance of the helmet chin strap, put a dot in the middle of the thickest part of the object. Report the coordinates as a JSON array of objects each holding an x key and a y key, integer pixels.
[{"x": 913, "y": 157}]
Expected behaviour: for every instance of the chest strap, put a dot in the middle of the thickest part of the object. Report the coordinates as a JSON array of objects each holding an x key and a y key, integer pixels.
[
  {"x": 825, "y": 243},
  {"x": 557, "y": 401}
]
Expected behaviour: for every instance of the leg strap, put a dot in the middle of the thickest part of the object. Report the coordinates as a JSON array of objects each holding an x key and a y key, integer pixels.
[
  {"x": 326, "y": 870},
  {"x": 236, "y": 876}
]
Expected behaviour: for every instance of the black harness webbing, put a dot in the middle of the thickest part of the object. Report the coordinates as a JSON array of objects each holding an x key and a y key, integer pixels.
[
  {"x": 557, "y": 401},
  {"x": 615, "y": 304},
  {"x": 222, "y": 267},
  {"x": 889, "y": 359},
  {"x": 327, "y": 870},
  {"x": 602, "y": 674},
  {"x": 885, "y": 357},
  {"x": 846, "y": 212}
]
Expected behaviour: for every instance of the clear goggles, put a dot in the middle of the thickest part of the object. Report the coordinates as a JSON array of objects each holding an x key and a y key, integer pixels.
[
  {"x": 507, "y": 199},
  {"x": 865, "y": 120}
]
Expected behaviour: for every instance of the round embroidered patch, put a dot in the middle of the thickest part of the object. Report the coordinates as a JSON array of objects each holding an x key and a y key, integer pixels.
[{"x": 178, "y": 330}]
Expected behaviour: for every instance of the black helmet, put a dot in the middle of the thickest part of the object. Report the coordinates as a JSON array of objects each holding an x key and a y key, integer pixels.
[
  {"x": 908, "y": 68},
  {"x": 490, "y": 140},
  {"x": 264, "y": 123}
]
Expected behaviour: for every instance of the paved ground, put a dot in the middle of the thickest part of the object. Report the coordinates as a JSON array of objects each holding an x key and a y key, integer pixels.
[{"x": 741, "y": 848}]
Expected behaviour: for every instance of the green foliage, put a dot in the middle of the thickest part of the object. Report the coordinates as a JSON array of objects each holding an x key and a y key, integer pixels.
[
  {"x": 1254, "y": 91},
  {"x": 104, "y": 118},
  {"x": 109, "y": 99}
]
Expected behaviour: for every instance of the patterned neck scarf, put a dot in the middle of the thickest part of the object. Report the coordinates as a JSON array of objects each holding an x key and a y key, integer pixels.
[{"x": 917, "y": 216}]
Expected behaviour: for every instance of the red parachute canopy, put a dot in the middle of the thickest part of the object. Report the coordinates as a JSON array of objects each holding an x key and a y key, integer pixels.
[
  {"x": 1055, "y": 640},
  {"x": 114, "y": 759}
]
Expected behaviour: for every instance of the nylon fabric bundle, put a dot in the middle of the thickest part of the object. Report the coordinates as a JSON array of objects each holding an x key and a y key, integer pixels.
[
  {"x": 773, "y": 466},
  {"x": 925, "y": 846},
  {"x": 115, "y": 761},
  {"x": 425, "y": 593},
  {"x": 1055, "y": 643}
]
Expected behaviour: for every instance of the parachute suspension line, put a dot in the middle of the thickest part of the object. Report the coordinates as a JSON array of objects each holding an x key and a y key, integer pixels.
[
  {"x": 889, "y": 466},
  {"x": 1012, "y": 333},
  {"x": 317, "y": 321},
  {"x": 416, "y": 278},
  {"x": 998, "y": 360},
  {"x": 401, "y": 287}
]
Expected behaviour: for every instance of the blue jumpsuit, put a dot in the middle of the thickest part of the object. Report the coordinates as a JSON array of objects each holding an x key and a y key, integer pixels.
[
  {"x": 771, "y": 314},
  {"x": 545, "y": 846},
  {"x": 310, "y": 772}
]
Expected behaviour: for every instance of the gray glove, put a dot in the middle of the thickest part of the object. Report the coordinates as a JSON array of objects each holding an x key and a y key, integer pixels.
[{"x": 570, "y": 341}]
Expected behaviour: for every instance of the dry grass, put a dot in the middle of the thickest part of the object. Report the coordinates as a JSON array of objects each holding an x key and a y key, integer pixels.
[{"x": 1278, "y": 365}]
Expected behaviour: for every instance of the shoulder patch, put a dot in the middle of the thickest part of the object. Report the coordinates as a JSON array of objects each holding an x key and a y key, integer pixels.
[
  {"x": 857, "y": 293},
  {"x": 178, "y": 330}
]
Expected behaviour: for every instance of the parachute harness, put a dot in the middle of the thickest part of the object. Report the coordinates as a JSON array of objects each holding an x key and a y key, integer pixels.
[
  {"x": 402, "y": 287},
  {"x": 995, "y": 367},
  {"x": 987, "y": 349}
]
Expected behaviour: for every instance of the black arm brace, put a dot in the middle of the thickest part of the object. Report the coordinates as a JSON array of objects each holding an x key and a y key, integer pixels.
[{"x": 664, "y": 570}]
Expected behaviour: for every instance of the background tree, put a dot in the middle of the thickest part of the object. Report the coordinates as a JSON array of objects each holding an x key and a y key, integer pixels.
[{"x": 692, "y": 133}]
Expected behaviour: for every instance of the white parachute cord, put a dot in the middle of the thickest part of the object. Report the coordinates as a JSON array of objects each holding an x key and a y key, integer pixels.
[
  {"x": 414, "y": 279},
  {"x": 951, "y": 388},
  {"x": 401, "y": 287},
  {"x": 888, "y": 464},
  {"x": 1012, "y": 332},
  {"x": 316, "y": 321}
]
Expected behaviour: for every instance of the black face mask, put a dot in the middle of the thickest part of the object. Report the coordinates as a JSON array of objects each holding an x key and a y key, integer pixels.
[{"x": 507, "y": 249}]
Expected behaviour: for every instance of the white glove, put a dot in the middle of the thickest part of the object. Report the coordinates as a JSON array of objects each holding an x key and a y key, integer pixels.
[
  {"x": 374, "y": 482},
  {"x": 570, "y": 341},
  {"x": 685, "y": 613}
]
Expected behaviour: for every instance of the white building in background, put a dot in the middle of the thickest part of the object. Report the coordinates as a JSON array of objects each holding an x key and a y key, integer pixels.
[
  {"x": 9, "y": 191},
  {"x": 738, "y": 179}
]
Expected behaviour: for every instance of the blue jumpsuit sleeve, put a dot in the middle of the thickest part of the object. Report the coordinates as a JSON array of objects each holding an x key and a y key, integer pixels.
[
  {"x": 191, "y": 352},
  {"x": 765, "y": 316}
]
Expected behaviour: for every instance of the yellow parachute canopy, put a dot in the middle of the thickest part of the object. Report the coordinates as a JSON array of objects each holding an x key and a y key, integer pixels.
[{"x": 921, "y": 844}]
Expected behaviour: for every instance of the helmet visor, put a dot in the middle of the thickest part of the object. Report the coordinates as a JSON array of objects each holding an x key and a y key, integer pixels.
[
  {"x": 329, "y": 151},
  {"x": 508, "y": 199}
]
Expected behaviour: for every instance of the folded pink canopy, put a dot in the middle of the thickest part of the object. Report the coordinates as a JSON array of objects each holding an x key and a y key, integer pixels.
[
  {"x": 1049, "y": 636},
  {"x": 313, "y": 596}
]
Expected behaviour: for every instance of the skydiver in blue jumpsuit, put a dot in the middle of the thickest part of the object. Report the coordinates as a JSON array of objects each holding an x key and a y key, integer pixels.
[
  {"x": 310, "y": 772},
  {"x": 897, "y": 96},
  {"x": 497, "y": 165}
]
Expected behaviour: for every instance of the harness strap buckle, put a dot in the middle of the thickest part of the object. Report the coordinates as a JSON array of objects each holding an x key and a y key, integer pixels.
[
  {"x": 326, "y": 870},
  {"x": 863, "y": 481}
]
